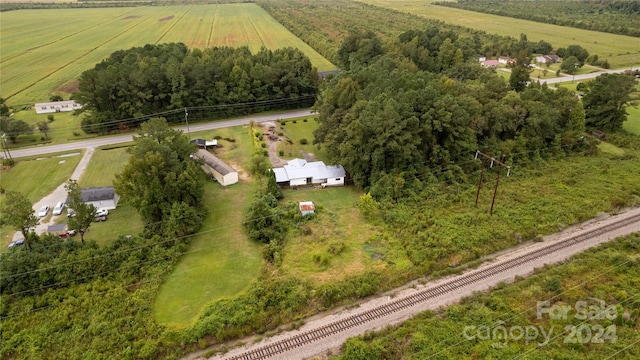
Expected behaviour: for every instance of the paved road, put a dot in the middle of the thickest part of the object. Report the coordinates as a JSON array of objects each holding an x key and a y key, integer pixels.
[
  {"x": 582, "y": 76},
  {"x": 111, "y": 140}
]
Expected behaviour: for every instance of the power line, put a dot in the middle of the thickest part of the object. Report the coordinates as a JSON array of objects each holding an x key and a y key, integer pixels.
[{"x": 493, "y": 161}]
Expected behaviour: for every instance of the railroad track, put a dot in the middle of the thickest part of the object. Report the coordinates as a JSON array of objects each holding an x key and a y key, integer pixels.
[{"x": 310, "y": 336}]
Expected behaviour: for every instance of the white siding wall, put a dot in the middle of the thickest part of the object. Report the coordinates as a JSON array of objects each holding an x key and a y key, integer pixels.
[
  {"x": 230, "y": 178},
  {"x": 335, "y": 181},
  {"x": 298, "y": 182}
]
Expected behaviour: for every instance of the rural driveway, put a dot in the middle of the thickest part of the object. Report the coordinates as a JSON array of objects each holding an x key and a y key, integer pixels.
[
  {"x": 102, "y": 141},
  {"x": 58, "y": 195}
]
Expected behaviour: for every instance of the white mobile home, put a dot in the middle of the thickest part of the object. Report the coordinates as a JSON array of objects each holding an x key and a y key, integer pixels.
[
  {"x": 215, "y": 167},
  {"x": 57, "y": 106},
  {"x": 299, "y": 172}
]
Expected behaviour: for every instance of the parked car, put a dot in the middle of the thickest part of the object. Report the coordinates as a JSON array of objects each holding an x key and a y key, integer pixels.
[
  {"x": 102, "y": 212},
  {"x": 65, "y": 235},
  {"x": 100, "y": 218},
  {"x": 43, "y": 211},
  {"x": 16, "y": 243},
  {"x": 57, "y": 210},
  {"x": 71, "y": 213}
]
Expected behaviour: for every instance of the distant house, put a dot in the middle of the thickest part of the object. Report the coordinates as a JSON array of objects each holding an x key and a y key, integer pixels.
[
  {"x": 56, "y": 106},
  {"x": 490, "y": 63},
  {"x": 215, "y": 167},
  {"x": 506, "y": 60},
  {"x": 204, "y": 144},
  {"x": 306, "y": 207},
  {"x": 299, "y": 172},
  {"x": 101, "y": 197},
  {"x": 547, "y": 59}
]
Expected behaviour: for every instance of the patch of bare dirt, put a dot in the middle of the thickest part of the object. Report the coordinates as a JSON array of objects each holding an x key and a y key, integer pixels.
[
  {"x": 271, "y": 137},
  {"x": 167, "y": 18},
  {"x": 242, "y": 173},
  {"x": 69, "y": 87}
]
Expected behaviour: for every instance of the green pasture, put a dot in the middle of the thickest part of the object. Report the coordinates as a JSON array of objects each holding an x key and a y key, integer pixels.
[
  {"x": 41, "y": 57},
  {"x": 332, "y": 244},
  {"x": 221, "y": 260},
  {"x": 619, "y": 50}
]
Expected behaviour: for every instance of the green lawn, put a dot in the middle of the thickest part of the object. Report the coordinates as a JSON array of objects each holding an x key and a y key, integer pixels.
[
  {"x": 122, "y": 221},
  {"x": 104, "y": 165},
  {"x": 36, "y": 178},
  {"x": 297, "y": 131},
  {"x": 221, "y": 261},
  {"x": 633, "y": 120},
  {"x": 64, "y": 128}
]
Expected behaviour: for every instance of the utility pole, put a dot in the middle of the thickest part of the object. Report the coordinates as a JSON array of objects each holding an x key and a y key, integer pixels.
[
  {"x": 481, "y": 174},
  {"x": 5, "y": 149},
  {"x": 495, "y": 191},
  {"x": 493, "y": 161},
  {"x": 186, "y": 120}
]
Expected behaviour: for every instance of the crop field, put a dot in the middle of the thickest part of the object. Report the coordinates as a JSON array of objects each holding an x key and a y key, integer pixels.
[
  {"x": 619, "y": 50},
  {"x": 44, "y": 51}
]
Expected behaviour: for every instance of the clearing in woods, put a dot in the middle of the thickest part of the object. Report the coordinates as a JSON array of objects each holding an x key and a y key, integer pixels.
[{"x": 45, "y": 51}]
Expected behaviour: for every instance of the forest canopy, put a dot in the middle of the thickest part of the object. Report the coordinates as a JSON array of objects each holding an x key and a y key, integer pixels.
[
  {"x": 131, "y": 84},
  {"x": 397, "y": 123}
]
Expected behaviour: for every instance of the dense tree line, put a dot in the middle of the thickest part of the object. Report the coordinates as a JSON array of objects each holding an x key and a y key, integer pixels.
[
  {"x": 394, "y": 125},
  {"x": 616, "y": 17},
  {"x": 158, "y": 78}
]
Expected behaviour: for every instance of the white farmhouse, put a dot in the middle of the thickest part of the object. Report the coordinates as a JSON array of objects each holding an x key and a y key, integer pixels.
[{"x": 299, "y": 172}]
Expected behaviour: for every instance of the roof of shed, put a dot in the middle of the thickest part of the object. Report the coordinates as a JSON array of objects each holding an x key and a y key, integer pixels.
[
  {"x": 213, "y": 162},
  {"x": 97, "y": 193}
]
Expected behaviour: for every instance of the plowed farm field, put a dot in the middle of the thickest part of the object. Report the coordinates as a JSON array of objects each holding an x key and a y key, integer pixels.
[{"x": 43, "y": 52}]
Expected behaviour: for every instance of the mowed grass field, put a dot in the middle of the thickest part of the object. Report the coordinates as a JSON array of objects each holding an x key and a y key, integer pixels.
[
  {"x": 619, "y": 50},
  {"x": 221, "y": 260},
  {"x": 43, "y": 52}
]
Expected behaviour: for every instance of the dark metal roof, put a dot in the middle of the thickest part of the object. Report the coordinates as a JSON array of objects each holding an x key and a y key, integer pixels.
[
  {"x": 213, "y": 162},
  {"x": 98, "y": 193}
]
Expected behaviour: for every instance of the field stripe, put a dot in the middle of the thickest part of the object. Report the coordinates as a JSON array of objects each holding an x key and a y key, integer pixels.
[
  {"x": 213, "y": 20},
  {"x": 174, "y": 23},
  {"x": 253, "y": 26}
]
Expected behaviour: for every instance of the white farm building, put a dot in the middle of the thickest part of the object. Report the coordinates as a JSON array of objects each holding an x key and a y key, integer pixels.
[
  {"x": 57, "y": 106},
  {"x": 299, "y": 172}
]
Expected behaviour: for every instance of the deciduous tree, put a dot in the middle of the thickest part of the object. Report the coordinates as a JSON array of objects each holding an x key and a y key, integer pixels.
[
  {"x": 84, "y": 213},
  {"x": 161, "y": 180},
  {"x": 20, "y": 215},
  {"x": 14, "y": 128},
  {"x": 43, "y": 127},
  {"x": 604, "y": 103}
]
